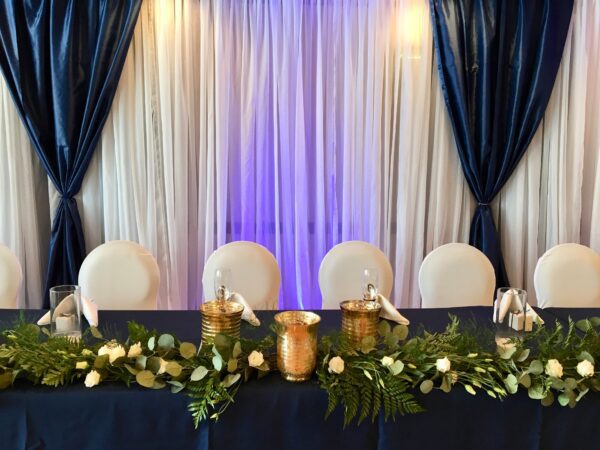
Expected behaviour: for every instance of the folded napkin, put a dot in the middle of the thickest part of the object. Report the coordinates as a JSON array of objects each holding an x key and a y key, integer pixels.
[
  {"x": 389, "y": 312},
  {"x": 88, "y": 308},
  {"x": 247, "y": 315},
  {"x": 511, "y": 305}
]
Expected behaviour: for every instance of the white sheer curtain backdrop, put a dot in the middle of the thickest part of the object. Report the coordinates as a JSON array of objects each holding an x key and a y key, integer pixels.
[
  {"x": 299, "y": 125},
  {"x": 23, "y": 227}
]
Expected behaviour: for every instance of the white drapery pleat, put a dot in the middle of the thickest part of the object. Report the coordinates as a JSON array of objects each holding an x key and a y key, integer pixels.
[{"x": 302, "y": 124}]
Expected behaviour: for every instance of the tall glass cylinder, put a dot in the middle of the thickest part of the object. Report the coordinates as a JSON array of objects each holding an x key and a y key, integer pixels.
[{"x": 65, "y": 311}]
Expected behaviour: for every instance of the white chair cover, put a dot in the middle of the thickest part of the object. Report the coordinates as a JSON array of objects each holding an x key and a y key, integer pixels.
[
  {"x": 120, "y": 275},
  {"x": 341, "y": 272},
  {"x": 254, "y": 273},
  {"x": 455, "y": 275},
  {"x": 568, "y": 276},
  {"x": 11, "y": 277}
]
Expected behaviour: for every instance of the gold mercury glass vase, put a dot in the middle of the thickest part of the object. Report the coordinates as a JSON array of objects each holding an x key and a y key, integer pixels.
[
  {"x": 296, "y": 344},
  {"x": 220, "y": 317},
  {"x": 359, "y": 319}
]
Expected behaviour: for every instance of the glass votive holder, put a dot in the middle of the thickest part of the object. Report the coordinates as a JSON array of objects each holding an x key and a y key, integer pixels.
[
  {"x": 510, "y": 309},
  {"x": 65, "y": 311}
]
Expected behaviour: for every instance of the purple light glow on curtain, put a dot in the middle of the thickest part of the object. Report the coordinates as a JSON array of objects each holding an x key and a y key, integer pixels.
[{"x": 299, "y": 132}]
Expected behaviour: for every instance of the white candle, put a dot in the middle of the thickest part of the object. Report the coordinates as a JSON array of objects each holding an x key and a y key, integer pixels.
[{"x": 65, "y": 324}]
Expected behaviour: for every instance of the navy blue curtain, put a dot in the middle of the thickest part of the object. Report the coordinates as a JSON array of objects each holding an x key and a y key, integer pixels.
[
  {"x": 62, "y": 60},
  {"x": 497, "y": 62}
]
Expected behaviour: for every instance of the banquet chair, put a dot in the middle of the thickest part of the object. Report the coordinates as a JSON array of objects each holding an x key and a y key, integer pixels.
[
  {"x": 454, "y": 275},
  {"x": 253, "y": 270},
  {"x": 120, "y": 275},
  {"x": 341, "y": 272},
  {"x": 11, "y": 277},
  {"x": 568, "y": 275}
]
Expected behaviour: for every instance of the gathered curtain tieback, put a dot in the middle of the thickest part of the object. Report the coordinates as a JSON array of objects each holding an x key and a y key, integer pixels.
[{"x": 483, "y": 204}]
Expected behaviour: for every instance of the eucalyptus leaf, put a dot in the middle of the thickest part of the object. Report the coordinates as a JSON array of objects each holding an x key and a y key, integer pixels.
[
  {"x": 536, "y": 367},
  {"x": 536, "y": 392},
  {"x": 153, "y": 364},
  {"x": 506, "y": 352},
  {"x": 563, "y": 399},
  {"x": 548, "y": 399},
  {"x": 397, "y": 367},
  {"x": 426, "y": 386},
  {"x": 151, "y": 343},
  {"x": 584, "y": 325},
  {"x": 237, "y": 349},
  {"x": 199, "y": 373},
  {"x": 158, "y": 384},
  {"x": 173, "y": 368},
  {"x": 525, "y": 380},
  {"x": 511, "y": 383},
  {"x": 585, "y": 356},
  {"x": 401, "y": 331},
  {"x": 446, "y": 385},
  {"x": 187, "y": 350},
  {"x": 131, "y": 370},
  {"x": 145, "y": 378},
  {"x": 231, "y": 379},
  {"x": 166, "y": 342},
  {"x": 140, "y": 362},
  {"x": 101, "y": 362},
  {"x": 367, "y": 344},
  {"x": 391, "y": 340},
  {"x": 232, "y": 365},
  {"x": 571, "y": 383},
  {"x": 595, "y": 321},
  {"x": 384, "y": 328},
  {"x": 523, "y": 355},
  {"x": 557, "y": 383},
  {"x": 217, "y": 362},
  {"x": 176, "y": 386}
]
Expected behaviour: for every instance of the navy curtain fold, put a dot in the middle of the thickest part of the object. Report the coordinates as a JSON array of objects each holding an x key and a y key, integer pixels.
[
  {"x": 62, "y": 60},
  {"x": 497, "y": 62}
]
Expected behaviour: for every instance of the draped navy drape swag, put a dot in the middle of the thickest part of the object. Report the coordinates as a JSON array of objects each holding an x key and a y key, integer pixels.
[
  {"x": 62, "y": 60},
  {"x": 497, "y": 62}
]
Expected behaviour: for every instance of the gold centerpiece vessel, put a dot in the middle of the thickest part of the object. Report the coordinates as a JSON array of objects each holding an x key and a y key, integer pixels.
[
  {"x": 296, "y": 344},
  {"x": 220, "y": 317},
  {"x": 360, "y": 318}
]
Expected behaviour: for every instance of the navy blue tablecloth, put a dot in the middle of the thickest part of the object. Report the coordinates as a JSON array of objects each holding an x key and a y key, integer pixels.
[{"x": 274, "y": 414}]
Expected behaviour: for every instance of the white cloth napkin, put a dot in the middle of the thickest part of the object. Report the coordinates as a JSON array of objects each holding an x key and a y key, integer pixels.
[
  {"x": 389, "y": 312},
  {"x": 247, "y": 315},
  {"x": 509, "y": 302},
  {"x": 88, "y": 308}
]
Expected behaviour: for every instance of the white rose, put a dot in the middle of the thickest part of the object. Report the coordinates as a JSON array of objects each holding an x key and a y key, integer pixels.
[
  {"x": 386, "y": 361},
  {"x": 443, "y": 364},
  {"x": 554, "y": 368},
  {"x": 114, "y": 351},
  {"x": 82, "y": 365},
  {"x": 134, "y": 350},
  {"x": 92, "y": 379},
  {"x": 336, "y": 365},
  {"x": 585, "y": 369},
  {"x": 256, "y": 359}
]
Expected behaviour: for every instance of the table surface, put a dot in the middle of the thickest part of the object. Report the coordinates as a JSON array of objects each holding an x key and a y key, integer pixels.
[{"x": 272, "y": 413}]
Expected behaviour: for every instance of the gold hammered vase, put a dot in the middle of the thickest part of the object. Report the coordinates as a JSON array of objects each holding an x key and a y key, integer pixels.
[
  {"x": 296, "y": 344},
  {"x": 220, "y": 317},
  {"x": 360, "y": 318}
]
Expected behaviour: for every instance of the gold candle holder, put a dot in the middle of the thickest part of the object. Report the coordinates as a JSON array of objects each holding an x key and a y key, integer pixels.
[
  {"x": 360, "y": 319},
  {"x": 220, "y": 317},
  {"x": 296, "y": 344}
]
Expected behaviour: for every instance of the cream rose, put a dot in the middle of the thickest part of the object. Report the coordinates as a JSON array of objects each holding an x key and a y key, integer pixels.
[
  {"x": 554, "y": 368},
  {"x": 443, "y": 364},
  {"x": 585, "y": 369},
  {"x": 114, "y": 351},
  {"x": 256, "y": 359},
  {"x": 336, "y": 365},
  {"x": 81, "y": 365},
  {"x": 386, "y": 361},
  {"x": 92, "y": 379},
  {"x": 134, "y": 350}
]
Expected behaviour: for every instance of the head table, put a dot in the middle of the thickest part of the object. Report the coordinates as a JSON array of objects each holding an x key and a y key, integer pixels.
[{"x": 273, "y": 413}]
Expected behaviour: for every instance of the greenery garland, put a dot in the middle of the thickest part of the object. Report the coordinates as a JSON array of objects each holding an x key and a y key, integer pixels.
[{"x": 378, "y": 376}]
